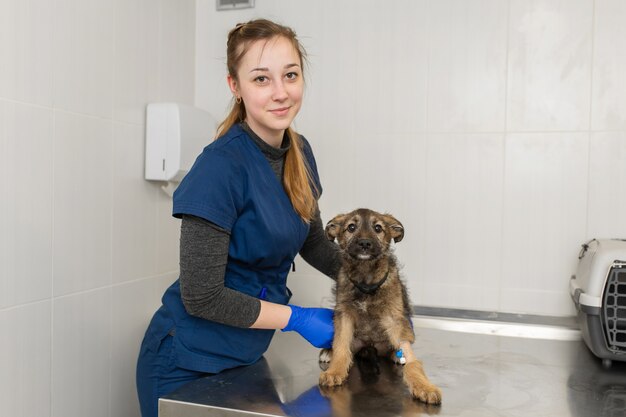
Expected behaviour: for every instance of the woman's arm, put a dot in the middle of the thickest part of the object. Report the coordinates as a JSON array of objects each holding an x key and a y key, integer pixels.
[
  {"x": 272, "y": 316},
  {"x": 320, "y": 252},
  {"x": 203, "y": 258}
]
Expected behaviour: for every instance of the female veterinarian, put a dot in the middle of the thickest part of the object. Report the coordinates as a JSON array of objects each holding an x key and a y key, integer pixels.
[{"x": 248, "y": 206}]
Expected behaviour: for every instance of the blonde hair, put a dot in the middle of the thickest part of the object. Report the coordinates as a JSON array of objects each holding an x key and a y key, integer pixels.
[{"x": 297, "y": 178}]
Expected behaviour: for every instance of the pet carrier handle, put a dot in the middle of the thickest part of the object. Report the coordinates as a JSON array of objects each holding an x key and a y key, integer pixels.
[
  {"x": 585, "y": 247},
  {"x": 575, "y": 291},
  {"x": 581, "y": 299}
]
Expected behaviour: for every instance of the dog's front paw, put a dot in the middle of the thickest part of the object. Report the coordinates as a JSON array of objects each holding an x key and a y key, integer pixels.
[
  {"x": 330, "y": 378},
  {"x": 334, "y": 392},
  {"x": 427, "y": 393},
  {"x": 419, "y": 385}
]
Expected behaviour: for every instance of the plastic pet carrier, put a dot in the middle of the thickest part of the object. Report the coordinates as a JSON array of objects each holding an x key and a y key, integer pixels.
[{"x": 599, "y": 292}]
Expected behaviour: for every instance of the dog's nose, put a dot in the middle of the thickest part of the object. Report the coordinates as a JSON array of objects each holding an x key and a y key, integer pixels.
[{"x": 365, "y": 244}]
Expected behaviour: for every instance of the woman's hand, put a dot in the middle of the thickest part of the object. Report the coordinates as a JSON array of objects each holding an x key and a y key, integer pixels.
[{"x": 314, "y": 324}]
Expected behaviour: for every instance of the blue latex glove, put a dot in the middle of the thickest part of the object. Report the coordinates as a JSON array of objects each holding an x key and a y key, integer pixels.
[
  {"x": 314, "y": 324},
  {"x": 311, "y": 403}
]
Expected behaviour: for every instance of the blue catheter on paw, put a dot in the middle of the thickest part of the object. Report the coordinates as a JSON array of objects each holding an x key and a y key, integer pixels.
[{"x": 400, "y": 356}]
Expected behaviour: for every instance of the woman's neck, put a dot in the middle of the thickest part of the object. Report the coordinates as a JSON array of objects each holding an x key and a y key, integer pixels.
[
  {"x": 270, "y": 152},
  {"x": 274, "y": 140}
]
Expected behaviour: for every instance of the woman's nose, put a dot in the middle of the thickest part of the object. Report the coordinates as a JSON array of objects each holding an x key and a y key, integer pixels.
[{"x": 279, "y": 93}]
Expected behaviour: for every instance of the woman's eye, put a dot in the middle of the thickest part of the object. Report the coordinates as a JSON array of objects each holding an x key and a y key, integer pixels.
[
  {"x": 378, "y": 228},
  {"x": 351, "y": 228},
  {"x": 292, "y": 75},
  {"x": 261, "y": 79}
]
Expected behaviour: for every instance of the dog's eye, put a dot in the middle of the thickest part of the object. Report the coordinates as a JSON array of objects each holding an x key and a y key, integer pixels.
[
  {"x": 351, "y": 227},
  {"x": 378, "y": 228}
]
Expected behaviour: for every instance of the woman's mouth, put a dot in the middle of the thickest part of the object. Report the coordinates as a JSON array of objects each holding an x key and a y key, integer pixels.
[{"x": 280, "y": 112}]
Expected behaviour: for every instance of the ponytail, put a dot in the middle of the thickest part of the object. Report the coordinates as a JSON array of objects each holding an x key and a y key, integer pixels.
[{"x": 298, "y": 180}]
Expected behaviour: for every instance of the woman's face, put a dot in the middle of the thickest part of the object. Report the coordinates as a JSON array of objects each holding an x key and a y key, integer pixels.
[{"x": 270, "y": 83}]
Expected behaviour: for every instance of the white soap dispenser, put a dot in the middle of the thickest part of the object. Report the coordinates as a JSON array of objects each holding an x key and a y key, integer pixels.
[{"x": 175, "y": 136}]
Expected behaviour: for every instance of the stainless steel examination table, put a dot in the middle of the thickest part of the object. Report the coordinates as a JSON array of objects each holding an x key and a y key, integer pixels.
[{"x": 482, "y": 374}]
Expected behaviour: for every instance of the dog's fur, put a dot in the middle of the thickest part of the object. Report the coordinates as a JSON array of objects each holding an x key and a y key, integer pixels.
[{"x": 372, "y": 306}]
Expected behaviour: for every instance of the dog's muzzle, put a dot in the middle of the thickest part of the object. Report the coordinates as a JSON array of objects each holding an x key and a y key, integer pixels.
[{"x": 364, "y": 249}]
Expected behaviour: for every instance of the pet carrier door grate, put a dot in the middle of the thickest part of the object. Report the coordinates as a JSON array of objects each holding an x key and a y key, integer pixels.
[{"x": 614, "y": 308}]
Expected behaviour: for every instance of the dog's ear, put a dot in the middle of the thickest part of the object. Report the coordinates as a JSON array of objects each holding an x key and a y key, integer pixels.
[
  {"x": 334, "y": 226},
  {"x": 397, "y": 230}
]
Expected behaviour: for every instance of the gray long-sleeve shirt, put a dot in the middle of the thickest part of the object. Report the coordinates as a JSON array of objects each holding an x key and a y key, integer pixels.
[{"x": 204, "y": 254}]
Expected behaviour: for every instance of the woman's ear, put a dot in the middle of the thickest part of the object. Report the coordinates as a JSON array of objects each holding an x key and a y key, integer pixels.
[{"x": 232, "y": 84}]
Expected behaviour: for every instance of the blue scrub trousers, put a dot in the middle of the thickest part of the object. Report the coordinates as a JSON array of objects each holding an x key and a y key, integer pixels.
[{"x": 158, "y": 375}]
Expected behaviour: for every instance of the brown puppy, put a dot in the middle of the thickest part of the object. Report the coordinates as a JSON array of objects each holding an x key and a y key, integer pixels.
[{"x": 372, "y": 306}]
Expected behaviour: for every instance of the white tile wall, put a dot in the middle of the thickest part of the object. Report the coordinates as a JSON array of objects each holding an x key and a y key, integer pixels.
[
  {"x": 467, "y": 65},
  {"x": 136, "y": 58},
  {"x": 608, "y": 109},
  {"x": 132, "y": 305},
  {"x": 462, "y": 240},
  {"x": 84, "y": 56},
  {"x": 346, "y": 68},
  {"x": 549, "y": 65},
  {"x": 82, "y": 202},
  {"x": 26, "y": 51},
  {"x": 176, "y": 36},
  {"x": 81, "y": 354},
  {"x": 492, "y": 129},
  {"x": 544, "y": 218},
  {"x": 607, "y": 176},
  {"x": 25, "y": 359},
  {"x": 134, "y": 211},
  {"x": 81, "y": 266},
  {"x": 26, "y": 257}
]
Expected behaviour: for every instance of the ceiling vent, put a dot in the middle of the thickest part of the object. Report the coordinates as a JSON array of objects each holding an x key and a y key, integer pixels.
[{"x": 234, "y": 4}]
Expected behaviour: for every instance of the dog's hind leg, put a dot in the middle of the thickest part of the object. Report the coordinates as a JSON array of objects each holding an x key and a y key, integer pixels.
[{"x": 325, "y": 355}]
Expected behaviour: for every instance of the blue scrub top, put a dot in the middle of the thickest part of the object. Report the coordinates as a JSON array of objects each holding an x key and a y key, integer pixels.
[{"x": 232, "y": 185}]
